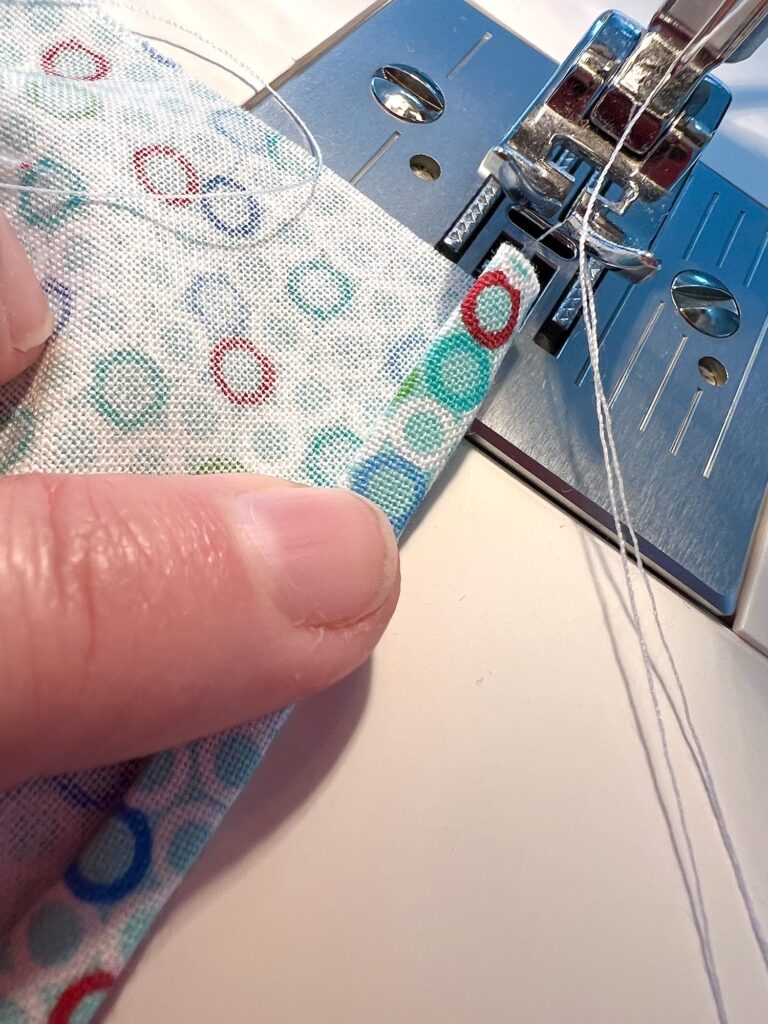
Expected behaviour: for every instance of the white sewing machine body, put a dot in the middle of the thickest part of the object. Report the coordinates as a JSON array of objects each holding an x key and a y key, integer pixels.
[{"x": 468, "y": 830}]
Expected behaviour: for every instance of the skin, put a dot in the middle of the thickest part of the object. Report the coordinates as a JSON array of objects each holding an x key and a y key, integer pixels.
[{"x": 137, "y": 613}]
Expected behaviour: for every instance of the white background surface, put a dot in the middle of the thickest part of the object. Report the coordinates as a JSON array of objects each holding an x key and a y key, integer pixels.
[{"x": 467, "y": 831}]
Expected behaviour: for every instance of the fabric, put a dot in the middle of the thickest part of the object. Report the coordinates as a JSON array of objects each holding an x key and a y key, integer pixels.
[{"x": 216, "y": 310}]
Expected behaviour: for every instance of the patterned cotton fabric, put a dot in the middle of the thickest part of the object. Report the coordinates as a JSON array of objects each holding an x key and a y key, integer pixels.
[{"x": 217, "y": 310}]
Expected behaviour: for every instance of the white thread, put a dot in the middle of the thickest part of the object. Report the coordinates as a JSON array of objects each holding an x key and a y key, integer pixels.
[
  {"x": 612, "y": 465},
  {"x": 105, "y": 197},
  {"x": 701, "y": 758},
  {"x": 701, "y": 761},
  {"x": 605, "y": 430}
]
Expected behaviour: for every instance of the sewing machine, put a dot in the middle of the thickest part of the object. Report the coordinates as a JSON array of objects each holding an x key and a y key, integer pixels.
[{"x": 467, "y": 830}]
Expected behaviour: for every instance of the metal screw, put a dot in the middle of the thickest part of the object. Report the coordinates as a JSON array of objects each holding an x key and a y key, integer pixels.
[
  {"x": 407, "y": 94},
  {"x": 706, "y": 304}
]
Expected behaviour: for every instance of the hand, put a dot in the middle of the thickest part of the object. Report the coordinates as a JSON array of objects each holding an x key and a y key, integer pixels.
[{"x": 140, "y": 612}]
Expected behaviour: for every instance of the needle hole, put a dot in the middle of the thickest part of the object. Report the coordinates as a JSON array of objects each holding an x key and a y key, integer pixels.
[
  {"x": 713, "y": 371},
  {"x": 425, "y": 167}
]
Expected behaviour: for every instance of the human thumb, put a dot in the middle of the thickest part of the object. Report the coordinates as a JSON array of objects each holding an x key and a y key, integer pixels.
[{"x": 141, "y": 612}]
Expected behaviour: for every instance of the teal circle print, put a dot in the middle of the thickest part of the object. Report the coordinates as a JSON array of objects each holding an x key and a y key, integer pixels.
[
  {"x": 109, "y": 855},
  {"x": 54, "y": 934},
  {"x": 49, "y": 210},
  {"x": 457, "y": 372},
  {"x": 11, "y": 1013},
  {"x": 16, "y": 433},
  {"x": 237, "y": 756},
  {"x": 159, "y": 772},
  {"x": 129, "y": 389},
  {"x": 393, "y": 483},
  {"x": 186, "y": 845},
  {"x": 319, "y": 289},
  {"x": 423, "y": 432},
  {"x": 422, "y": 428},
  {"x": 135, "y": 929},
  {"x": 330, "y": 452}
]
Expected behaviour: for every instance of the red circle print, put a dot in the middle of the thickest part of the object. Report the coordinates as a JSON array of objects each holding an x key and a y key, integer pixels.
[
  {"x": 142, "y": 156},
  {"x": 490, "y": 339},
  {"x": 72, "y": 997},
  {"x": 50, "y": 59},
  {"x": 268, "y": 373}
]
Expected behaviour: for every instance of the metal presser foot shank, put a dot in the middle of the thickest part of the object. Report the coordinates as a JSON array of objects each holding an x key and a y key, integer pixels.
[{"x": 413, "y": 104}]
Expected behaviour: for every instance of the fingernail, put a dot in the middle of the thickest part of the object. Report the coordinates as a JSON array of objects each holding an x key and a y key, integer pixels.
[
  {"x": 26, "y": 320},
  {"x": 332, "y": 555}
]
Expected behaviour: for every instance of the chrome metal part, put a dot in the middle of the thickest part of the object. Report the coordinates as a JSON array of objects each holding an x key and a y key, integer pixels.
[
  {"x": 472, "y": 216},
  {"x": 407, "y": 93},
  {"x": 569, "y": 310},
  {"x": 620, "y": 74},
  {"x": 689, "y": 407},
  {"x": 586, "y": 107},
  {"x": 733, "y": 31},
  {"x": 685, "y": 40},
  {"x": 705, "y": 304}
]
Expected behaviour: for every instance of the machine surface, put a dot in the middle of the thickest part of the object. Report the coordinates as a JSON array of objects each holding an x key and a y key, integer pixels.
[{"x": 466, "y": 832}]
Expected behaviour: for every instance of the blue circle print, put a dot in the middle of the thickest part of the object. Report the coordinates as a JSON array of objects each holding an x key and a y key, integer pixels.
[
  {"x": 60, "y": 298},
  {"x": 91, "y": 890},
  {"x": 249, "y": 223},
  {"x": 393, "y": 483},
  {"x": 218, "y": 303},
  {"x": 83, "y": 791}
]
